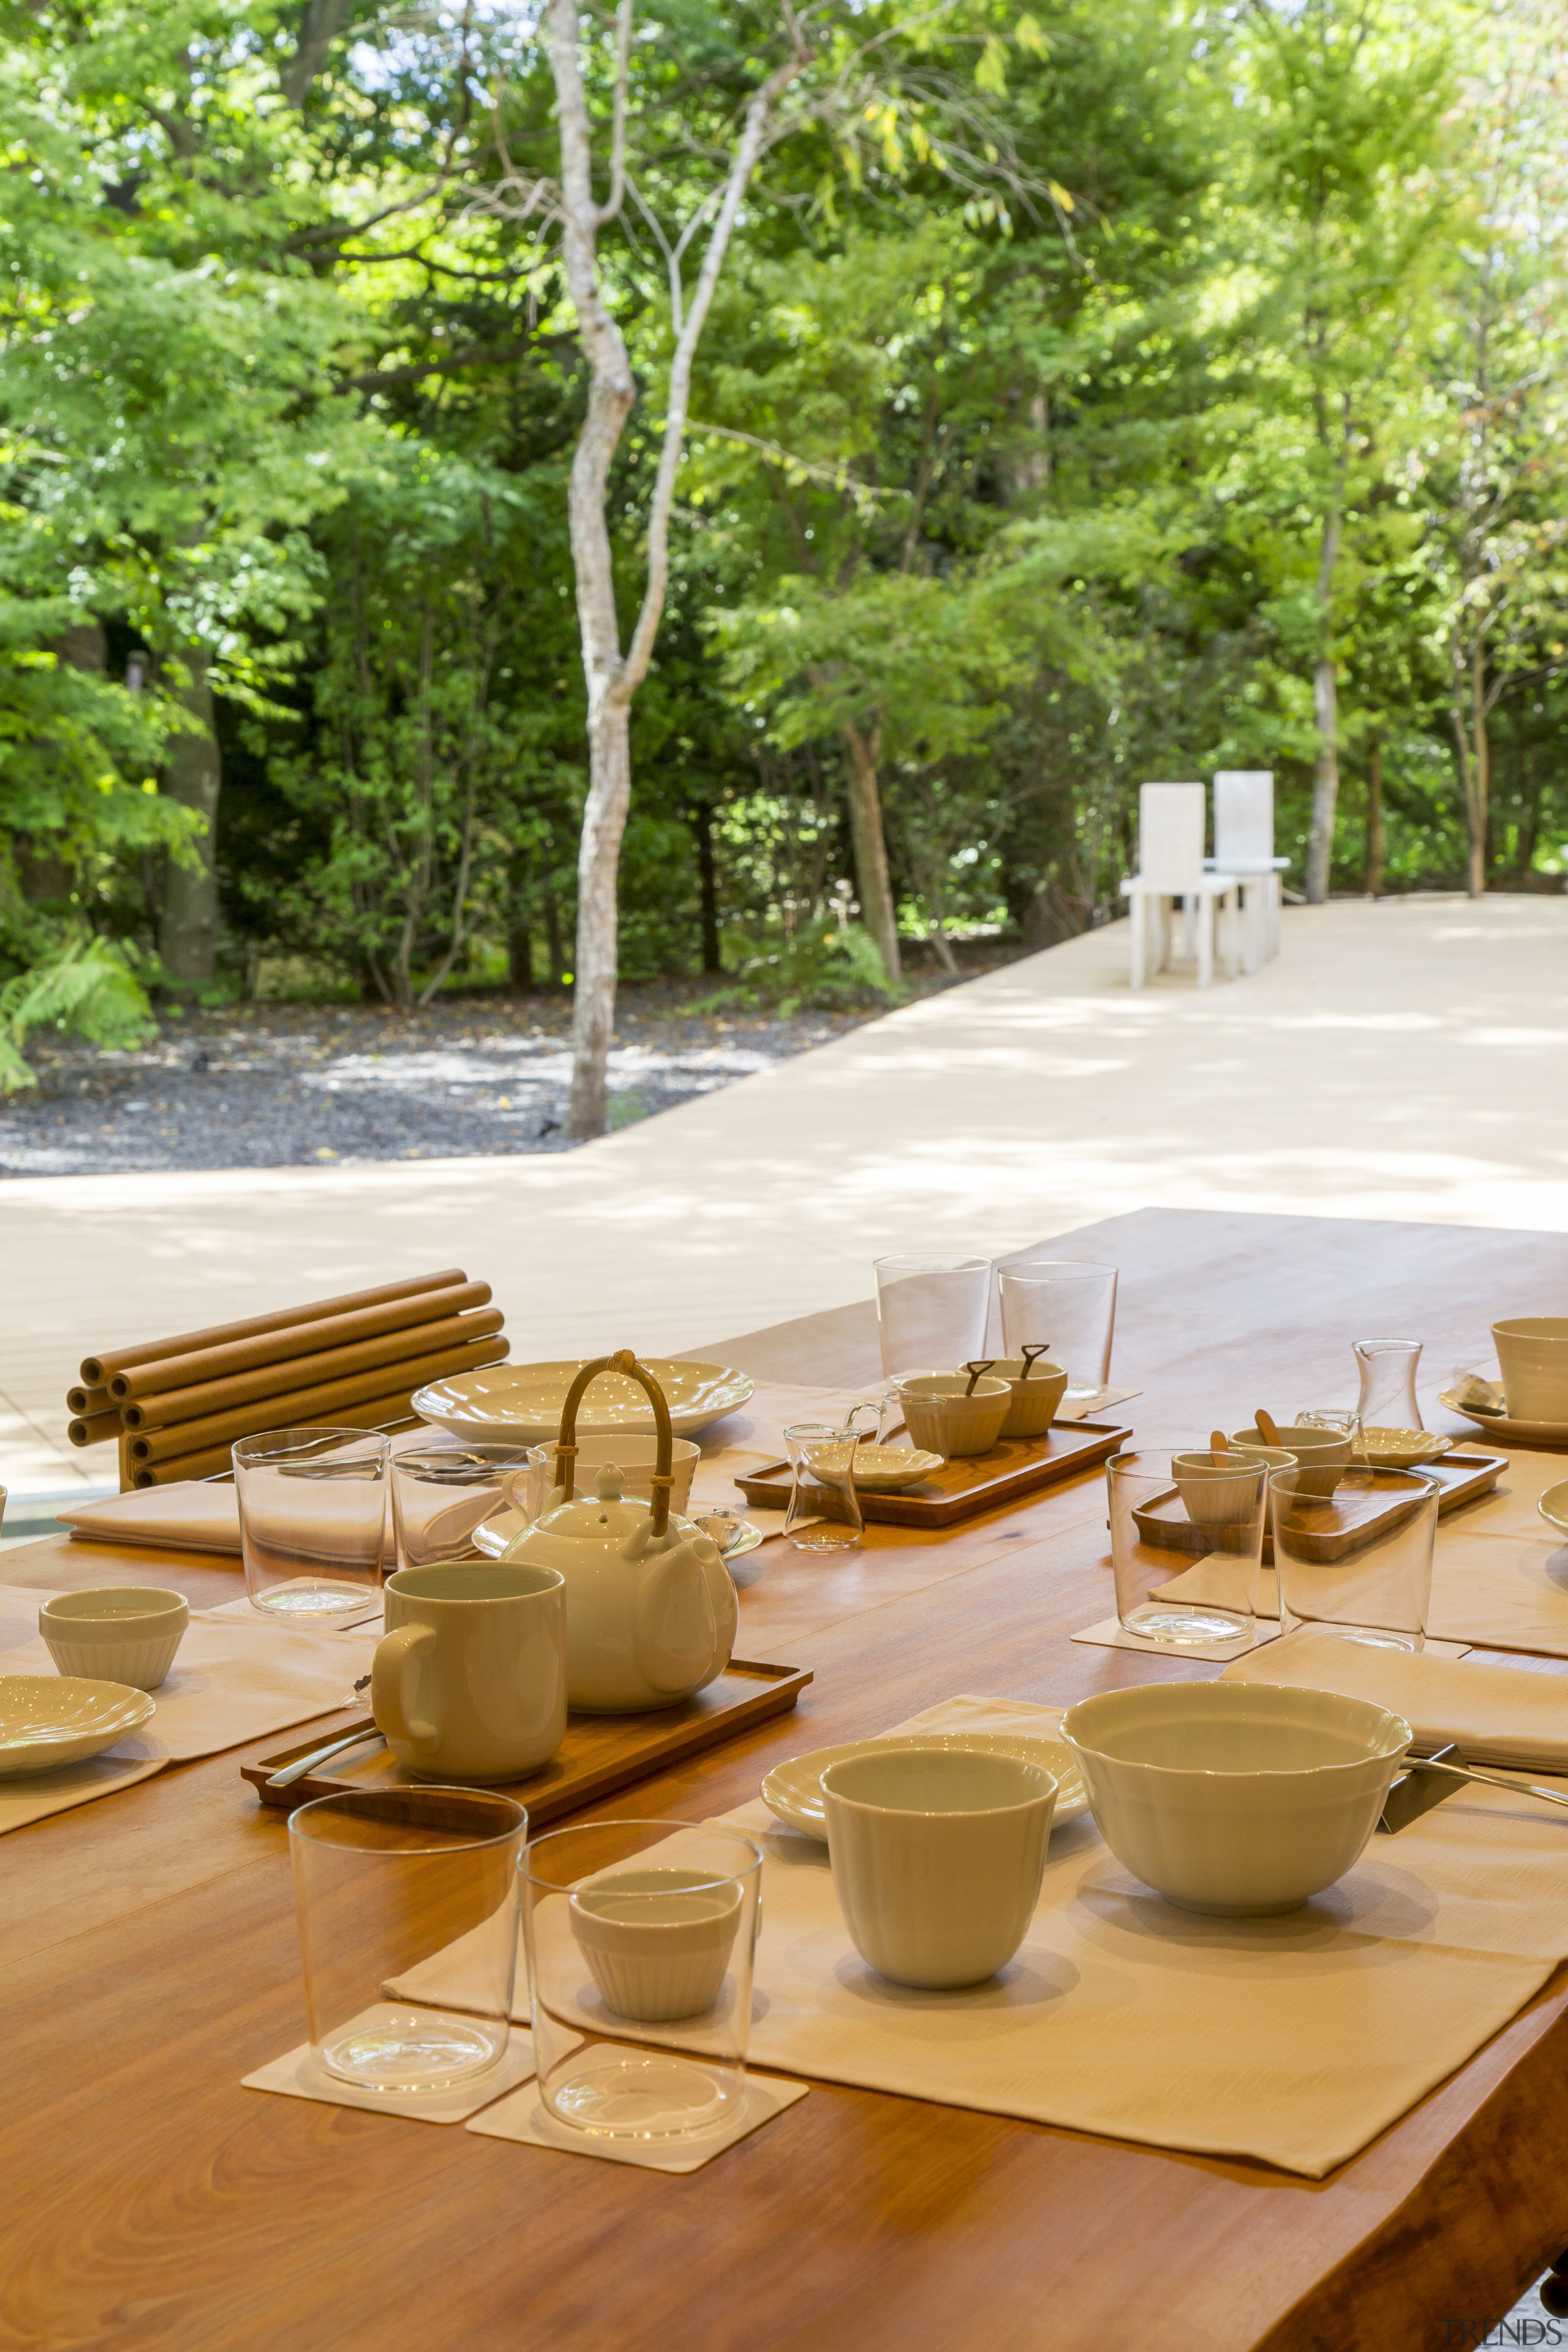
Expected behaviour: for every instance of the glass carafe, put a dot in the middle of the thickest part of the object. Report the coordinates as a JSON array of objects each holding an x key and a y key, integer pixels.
[{"x": 1388, "y": 1398}]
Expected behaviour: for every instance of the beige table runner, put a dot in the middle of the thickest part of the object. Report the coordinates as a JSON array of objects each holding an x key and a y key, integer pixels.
[
  {"x": 1497, "y": 1714},
  {"x": 1292, "y": 2041},
  {"x": 230, "y": 1682}
]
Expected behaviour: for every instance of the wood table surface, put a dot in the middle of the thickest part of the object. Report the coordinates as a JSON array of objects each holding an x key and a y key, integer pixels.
[{"x": 147, "y": 1962}]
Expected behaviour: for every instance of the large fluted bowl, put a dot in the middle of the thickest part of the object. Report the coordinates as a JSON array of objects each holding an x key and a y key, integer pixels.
[{"x": 1239, "y": 1798}]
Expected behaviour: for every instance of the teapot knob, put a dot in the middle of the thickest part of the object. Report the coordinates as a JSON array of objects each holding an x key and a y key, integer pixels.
[{"x": 608, "y": 1486}]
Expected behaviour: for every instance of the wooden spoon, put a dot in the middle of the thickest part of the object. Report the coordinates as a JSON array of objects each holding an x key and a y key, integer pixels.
[
  {"x": 1218, "y": 1444},
  {"x": 1266, "y": 1429}
]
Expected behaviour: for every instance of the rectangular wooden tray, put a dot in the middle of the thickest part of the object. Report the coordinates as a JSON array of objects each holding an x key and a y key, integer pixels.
[
  {"x": 1460, "y": 1476},
  {"x": 600, "y": 1752},
  {"x": 974, "y": 1482}
]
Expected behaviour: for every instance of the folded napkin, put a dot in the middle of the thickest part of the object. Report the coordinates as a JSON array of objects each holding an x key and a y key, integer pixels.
[
  {"x": 188, "y": 1516},
  {"x": 1292, "y": 2041},
  {"x": 1497, "y": 1715}
]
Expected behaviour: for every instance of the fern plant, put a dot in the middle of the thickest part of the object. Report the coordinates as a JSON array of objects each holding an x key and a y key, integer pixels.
[{"x": 87, "y": 985}]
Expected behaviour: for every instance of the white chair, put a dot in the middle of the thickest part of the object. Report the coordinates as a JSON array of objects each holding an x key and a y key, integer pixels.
[
  {"x": 1171, "y": 820},
  {"x": 1244, "y": 846}
]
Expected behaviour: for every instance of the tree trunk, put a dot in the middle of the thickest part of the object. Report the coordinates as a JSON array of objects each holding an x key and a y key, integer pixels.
[
  {"x": 187, "y": 932},
  {"x": 1375, "y": 843},
  {"x": 702, "y": 822},
  {"x": 1481, "y": 775},
  {"x": 598, "y": 861},
  {"x": 871, "y": 848},
  {"x": 1326, "y": 710}
]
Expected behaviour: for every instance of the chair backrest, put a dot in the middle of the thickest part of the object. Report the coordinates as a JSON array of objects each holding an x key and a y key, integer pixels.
[
  {"x": 1243, "y": 815},
  {"x": 1171, "y": 822}
]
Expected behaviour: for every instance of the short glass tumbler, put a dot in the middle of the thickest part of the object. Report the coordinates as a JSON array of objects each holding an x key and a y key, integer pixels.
[
  {"x": 441, "y": 1494},
  {"x": 823, "y": 1513},
  {"x": 640, "y": 1939},
  {"x": 313, "y": 1521},
  {"x": 407, "y": 1903},
  {"x": 1357, "y": 1562},
  {"x": 931, "y": 1310},
  {"x": 1186, "y": 1542},
  {"x": 1066, "y": 1308}
]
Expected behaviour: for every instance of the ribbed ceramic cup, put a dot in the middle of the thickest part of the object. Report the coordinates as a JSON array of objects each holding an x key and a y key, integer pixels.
[{"x": 116, "y": 1633}]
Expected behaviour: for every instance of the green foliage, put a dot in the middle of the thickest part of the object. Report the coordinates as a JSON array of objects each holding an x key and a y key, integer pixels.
[
  {"x": 86, "y": 986},
  {"x": 826, "y": 964}
]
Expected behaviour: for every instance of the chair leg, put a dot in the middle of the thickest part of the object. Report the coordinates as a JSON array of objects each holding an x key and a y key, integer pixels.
[
  {"x": 1137, "y": 917},
  {"x": 1254, "y": 923},
  {"x": 1276, "y": 896},
  {"x": 1205, "y": 942},
  {"x": 1163, "y": 922},
  {"x": 1189, "y": 922}
]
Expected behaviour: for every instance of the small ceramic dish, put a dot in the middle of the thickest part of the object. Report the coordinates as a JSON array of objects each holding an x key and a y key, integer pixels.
[
  {"x": 951, "y": 1414},
  {"x": 48, "y": 1721},
  {"x": 128, "y": 1633},
  {"x": 883, "y": 1469},
  {"x": 1036, "y": 1396},
  {"x": 1401, "y": 1449},
  {"x": 793, "y": 1790},
  {"x": 657, "y": 1941},
  {"x": 1553, "y": 1508},
  {"x": 1500, "y": 1424}
]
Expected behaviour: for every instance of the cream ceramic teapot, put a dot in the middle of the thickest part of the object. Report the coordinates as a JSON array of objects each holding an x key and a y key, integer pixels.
[{"x": 650, "y": 1606}]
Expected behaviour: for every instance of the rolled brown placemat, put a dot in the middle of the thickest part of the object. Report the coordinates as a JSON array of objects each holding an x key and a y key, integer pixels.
[
  {"x": 84, "y": 1402},
  {"x": 138, "y": 1380},
  {"x": 298, "y": 1408},
  {"x": 378, "y": 1412},
  {"x": 96, "y": 1369},
  {"x": 92, "y": 1428},
  {"x": 309, "y": 1372}
]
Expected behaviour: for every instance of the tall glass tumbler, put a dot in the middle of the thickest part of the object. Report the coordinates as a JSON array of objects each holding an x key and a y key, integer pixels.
[
  {"x": 313, "y": 1521},
  {"x": 1357, "y": 1562},
  {"x": 930, "y": 1311},
  {"x": 442, "y": 1495},
  {"x": 823, "y": 1513},
  {"x": 1186, "y": 1544},
  {"x": 1068, "y": 1307},
  {"x": 640, "y": 1938},
  {"x": 407, "y": 1904}
]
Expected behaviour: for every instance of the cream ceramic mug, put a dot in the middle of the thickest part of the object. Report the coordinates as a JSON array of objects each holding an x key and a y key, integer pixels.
[
  {"x": 937, "y": 1856},
  {"x": 468, "y": 1682}
]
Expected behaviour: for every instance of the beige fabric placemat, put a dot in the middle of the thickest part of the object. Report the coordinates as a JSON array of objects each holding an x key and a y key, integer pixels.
[
  {"x": 1497, "y": 1714},
  {"x": 1509, "y": 1592},
  {"x": 1509, "y": 1509},
  {"x": 33, "y": 1796},
  {"x": 230, "y": 1683}
]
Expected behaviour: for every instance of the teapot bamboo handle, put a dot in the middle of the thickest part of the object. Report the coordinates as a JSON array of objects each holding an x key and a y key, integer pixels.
[{"x": 663, "y": 1479}]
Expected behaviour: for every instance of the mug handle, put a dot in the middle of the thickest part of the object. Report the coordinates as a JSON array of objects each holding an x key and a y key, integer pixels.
[{"x": 394, "y": 1655}]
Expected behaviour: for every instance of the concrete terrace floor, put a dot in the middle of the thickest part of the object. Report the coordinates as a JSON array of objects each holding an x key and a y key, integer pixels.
[{"x": 1403, "y": 1059}]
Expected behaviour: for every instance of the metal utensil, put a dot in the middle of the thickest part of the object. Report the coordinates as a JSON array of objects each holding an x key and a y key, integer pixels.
[
  {"x": 975, "y": 1368},
  {"x": 1492, "y": 1779},
  {"x": 303, "y": 1764},
  {"x": 1031, "y": 1352}
]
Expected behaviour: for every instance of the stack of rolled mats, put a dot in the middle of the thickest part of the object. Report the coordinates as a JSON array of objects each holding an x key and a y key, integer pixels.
[{"x": 177, "y": 1405}]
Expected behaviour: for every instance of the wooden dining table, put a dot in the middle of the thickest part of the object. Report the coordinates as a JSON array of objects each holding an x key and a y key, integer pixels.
[{"x": 147, "y": 1962}]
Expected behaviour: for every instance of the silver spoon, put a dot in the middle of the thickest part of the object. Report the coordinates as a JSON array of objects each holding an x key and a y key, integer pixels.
[
  {"x": 303, "y": 1764},
  {"x": 1492, "y": 1779}
]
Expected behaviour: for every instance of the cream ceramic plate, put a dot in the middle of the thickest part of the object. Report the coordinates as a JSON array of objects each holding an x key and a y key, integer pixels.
[
  {"x": 883, "y": 1469},
  {"x": 522, "y": 1402},
  {"x": 1497, "y": 1424},
  {"x": 1553, "y": 1507},
  {"x": 793, "y": 1790},
  {"x": 46, "y": 1720},
  {"x": 493, "y": 1536},
  {"x": 1402, "y": 1449}
]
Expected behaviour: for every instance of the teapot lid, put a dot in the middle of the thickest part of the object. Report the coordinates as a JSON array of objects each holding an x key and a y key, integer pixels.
[{"x": 601, "y": 1518}]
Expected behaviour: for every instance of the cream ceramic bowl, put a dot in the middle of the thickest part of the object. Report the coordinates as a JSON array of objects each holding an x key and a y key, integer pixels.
[
  {"x": 1321, "y": 1453},
  {"x": 1238, "y": 1799},
  {"x": 794, "y": 1789},
  {"x": 507, "y": 1402},
  {"x": 942, "y": 1418},
  {"x": 1036, "y": 1399},
  {"x": 657, "y": 1941},
  {"x": 1533, "y": 1355},
  {"x": 48, "y": 1721},
  {"x": 127, "y": 1632},
  {"x": 1219, "y": 1492}
]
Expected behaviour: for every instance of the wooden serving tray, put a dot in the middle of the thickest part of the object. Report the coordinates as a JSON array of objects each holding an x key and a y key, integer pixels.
[
  {"x": 971, "y": 1484},
  {"x": 600, "y": 1752},
  {"x": 1460, "y": 1479}
]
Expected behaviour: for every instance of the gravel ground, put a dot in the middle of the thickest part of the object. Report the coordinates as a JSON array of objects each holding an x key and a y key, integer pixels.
[{"x": 270, "y": 1085}]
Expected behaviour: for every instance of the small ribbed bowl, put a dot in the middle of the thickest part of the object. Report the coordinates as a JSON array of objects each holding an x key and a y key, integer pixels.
[
  {"x": 657, "y": 1941},
  {"x": 118, "y": 1633},
  {"x": 945, "y": 1416},
  {"x": 1035, "y": 1399}
]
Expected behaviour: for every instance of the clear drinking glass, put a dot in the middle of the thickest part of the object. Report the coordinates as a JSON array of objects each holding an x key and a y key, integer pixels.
[
  {"x": 313, "y": 1521},
  {"x": 1357, "y": 1562},
  {"x": 640, "y": 1939},
  {"x": 931, "y": 1310},
  {"x": 441, "y": 1493},
  {"x": 1186, "y": 1542},
  {"x": 824, "y": 1512},
  {"x": 1388, "y": 1383},
  {"x": 1068, "y": 1308},
  {"x": 407, "y": 1903}
]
